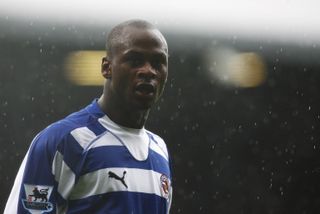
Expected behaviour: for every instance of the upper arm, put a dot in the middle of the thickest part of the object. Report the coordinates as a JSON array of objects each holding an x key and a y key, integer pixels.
[{"x": 47, "y": 174}]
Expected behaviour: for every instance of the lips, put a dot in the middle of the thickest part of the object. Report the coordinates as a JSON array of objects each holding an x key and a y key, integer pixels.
[{"x": 146, "y": 89}]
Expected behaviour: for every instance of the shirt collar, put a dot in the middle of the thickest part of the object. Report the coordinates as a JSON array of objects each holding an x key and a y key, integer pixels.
[{"x": 95, "y": 109}]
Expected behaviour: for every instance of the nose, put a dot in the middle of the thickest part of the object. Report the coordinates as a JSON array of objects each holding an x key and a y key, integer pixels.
[{"x": 146, "y": 72}]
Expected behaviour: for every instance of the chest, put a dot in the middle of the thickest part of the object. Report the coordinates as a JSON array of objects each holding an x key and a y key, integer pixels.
[{"x": 113, "y": 169}]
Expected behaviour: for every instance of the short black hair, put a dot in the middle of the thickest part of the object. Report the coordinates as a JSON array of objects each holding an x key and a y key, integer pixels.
[{"x": 115, "y": 34}]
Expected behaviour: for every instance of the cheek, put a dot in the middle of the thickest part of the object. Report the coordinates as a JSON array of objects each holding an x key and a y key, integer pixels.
[
  {"x": 122, "y": 80},
  {"x": 163, "y": 78},
  {"x": 162, "y": 84}
]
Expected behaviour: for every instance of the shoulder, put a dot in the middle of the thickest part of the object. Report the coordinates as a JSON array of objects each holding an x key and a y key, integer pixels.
[
  {"x": 159, "y": 142},
  {"x": 156, "y": 138},
  {"x": 60, "y": 132},
  {"x": 66, "y": 125}
]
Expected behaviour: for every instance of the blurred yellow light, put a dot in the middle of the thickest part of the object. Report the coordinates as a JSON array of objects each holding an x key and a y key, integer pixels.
[
  {"x": 84, "y": 68},
  {"x": 246, "y": 70}
]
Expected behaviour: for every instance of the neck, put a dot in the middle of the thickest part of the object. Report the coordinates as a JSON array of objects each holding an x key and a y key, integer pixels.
[{"x": 123, "y": 116}]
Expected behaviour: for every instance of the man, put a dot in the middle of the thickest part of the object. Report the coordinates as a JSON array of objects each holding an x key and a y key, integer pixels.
[{"x": 101, "y": 159}]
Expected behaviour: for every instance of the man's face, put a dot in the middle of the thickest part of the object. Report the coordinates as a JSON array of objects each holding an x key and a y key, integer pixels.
[{"x": 139, "y": 68}]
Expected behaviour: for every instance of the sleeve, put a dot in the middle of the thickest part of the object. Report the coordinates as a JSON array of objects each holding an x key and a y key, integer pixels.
[
  {"x": 44, "y": 179},
  {"x": 162, "y": 145},
  {"x": 11, "y": 206},
  {"x": 171, "y": 182}
]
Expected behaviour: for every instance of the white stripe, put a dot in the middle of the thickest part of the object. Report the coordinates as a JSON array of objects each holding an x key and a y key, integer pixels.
[
  {"x": 12, "y": 203},
  {"x": 83, "y": 136},
  {"x": 106, "y": 140},
  {"x": 63, "y": 175},
  {"x": 135, "y": 140},
  {"x": 99, "y": 182},
  {"x": 155, "y": 147},
  {"x": 160, "y": 144},
  {"x": 109, "y": 139}
]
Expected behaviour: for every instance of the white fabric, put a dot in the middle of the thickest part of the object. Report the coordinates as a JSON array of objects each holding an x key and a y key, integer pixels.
[
  {"x": 83, "y": 136},
  {"x": 96, "y": 182},
  {"x": 12, "y": 203},
  {"x": 107, "y": 139},
  {"x": 135, "y": 140},
  {"x": 63, "y": 175},
  {"x": 162, "y": 145},
  {"x": 155, "y": 147}
]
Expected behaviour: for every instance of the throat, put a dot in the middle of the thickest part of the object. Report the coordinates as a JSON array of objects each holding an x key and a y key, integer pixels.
[
  {"x": 134, "y": 120},
  {"x": 129, "y": 118}
]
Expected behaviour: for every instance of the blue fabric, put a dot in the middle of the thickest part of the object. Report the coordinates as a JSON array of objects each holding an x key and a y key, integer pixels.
[{"x": 119, "y": 203}]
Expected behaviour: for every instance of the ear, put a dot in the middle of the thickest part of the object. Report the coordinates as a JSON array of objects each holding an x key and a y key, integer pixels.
[{"x": 106, "y": 68}]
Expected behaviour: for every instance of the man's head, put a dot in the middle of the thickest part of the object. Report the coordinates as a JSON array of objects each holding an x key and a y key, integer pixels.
[
  {"x": 136, "y": 66},
  {"x": 117, "y": 37}
]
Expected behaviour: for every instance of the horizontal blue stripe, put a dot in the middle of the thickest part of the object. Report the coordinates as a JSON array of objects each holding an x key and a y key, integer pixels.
[
  {"x": 119, "y": 156},
  {"x": 119, "y": 203}
]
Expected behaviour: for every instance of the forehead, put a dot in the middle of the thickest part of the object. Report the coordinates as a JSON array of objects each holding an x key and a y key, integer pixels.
[{"x": 142, "y": 39}]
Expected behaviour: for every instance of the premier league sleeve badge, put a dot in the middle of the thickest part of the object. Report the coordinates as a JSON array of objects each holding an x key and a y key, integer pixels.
[{"x": 37, "y": 198}]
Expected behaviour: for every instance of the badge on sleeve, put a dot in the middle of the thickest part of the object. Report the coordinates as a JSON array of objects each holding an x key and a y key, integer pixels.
[
  {"x": 37, "y": 198},
  {"x": 165, "y": 186}
]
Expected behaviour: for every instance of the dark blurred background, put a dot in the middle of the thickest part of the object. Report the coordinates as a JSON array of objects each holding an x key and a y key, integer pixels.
[{"x": 236, "y": 148}]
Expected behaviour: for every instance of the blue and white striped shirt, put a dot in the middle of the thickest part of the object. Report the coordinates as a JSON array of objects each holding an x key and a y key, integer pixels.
[{"x": 86, "y": 163}]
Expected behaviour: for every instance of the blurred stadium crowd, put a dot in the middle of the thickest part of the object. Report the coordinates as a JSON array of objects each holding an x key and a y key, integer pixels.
[{"x": 237, "y": 147}]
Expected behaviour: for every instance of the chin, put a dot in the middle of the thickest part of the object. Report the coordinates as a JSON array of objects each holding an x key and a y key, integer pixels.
[
  {"x": 143, "y": 102},
  {"x": 144, "y": 105}
]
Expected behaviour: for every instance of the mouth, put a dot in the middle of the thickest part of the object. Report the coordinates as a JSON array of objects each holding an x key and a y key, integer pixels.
[{"x": 145, "y": 89}]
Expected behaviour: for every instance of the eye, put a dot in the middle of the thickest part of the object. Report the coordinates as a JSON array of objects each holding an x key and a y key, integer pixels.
[
  {"x": 158, "y": 62},
  {"x": 135, "y": 61}
]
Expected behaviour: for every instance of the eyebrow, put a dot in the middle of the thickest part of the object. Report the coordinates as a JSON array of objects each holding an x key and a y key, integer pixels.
[{"x": 130, "y": 53}]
